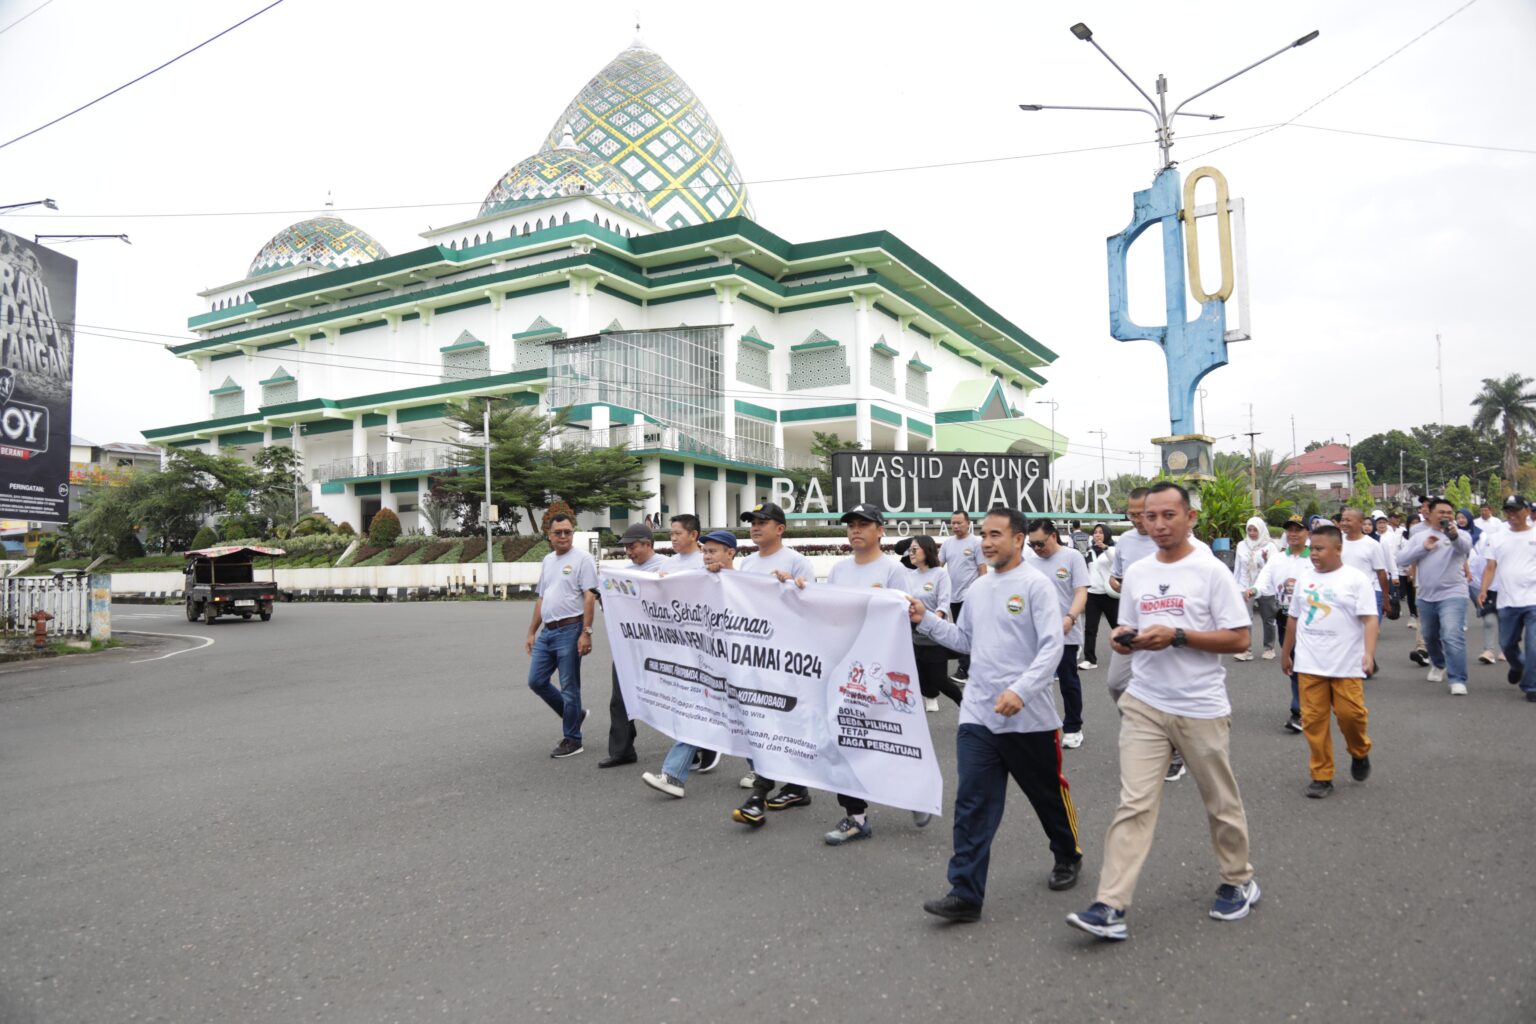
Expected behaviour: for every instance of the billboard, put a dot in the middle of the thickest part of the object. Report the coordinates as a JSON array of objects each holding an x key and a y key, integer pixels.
[
  {"x": 939, "y": 482},
  {"x": 37, "y": 359}
]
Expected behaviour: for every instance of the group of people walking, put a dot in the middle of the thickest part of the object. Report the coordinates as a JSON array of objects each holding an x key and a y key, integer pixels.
[{"x": 1020, "y": 610}]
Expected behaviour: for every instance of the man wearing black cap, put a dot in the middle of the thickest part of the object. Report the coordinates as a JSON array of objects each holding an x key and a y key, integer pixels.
[
  {"x": 772, "y": 558},
  {"x": 640, "y": 545},
  {"x": 866, "y": 567},
  {"x": 1511, "y": 572}
]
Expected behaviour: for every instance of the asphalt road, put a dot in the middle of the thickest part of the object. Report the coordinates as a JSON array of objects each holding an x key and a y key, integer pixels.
[{"x": 350, "y": 814}]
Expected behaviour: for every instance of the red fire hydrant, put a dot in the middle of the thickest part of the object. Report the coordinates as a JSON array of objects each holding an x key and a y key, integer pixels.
[{"x": 40, "y": 622}]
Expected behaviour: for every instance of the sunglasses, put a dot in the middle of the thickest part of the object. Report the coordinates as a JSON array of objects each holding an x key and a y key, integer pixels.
[{"x": 1037, "y": 545}]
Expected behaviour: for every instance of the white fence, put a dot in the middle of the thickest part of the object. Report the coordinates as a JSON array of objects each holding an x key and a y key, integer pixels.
[{"x": 66, "y": 598}]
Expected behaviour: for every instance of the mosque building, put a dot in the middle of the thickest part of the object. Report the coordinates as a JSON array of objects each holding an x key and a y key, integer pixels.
[{"x": 617, "y": 274}]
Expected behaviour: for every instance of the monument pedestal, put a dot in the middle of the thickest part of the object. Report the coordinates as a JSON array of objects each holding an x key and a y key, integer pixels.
[{"x": 1185, "y": 456}]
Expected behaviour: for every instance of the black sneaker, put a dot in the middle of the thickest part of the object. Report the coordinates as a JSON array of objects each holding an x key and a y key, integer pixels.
[
  {"x": 1064, "y": 874},
  {"x": 1419, "y": 657},
  {"x": 960, "y": 675},
  {"x": 1176, "y": 770},
  {"x": 789, "y": 795},
  {"x": 1294, "y": 723},
  {"x": 751, "y": 812},
  {"x": 1319, "y": 790},
  {"x": 707, "y": 762},
  {"x": 1360, "y": 768},
  {"x": 567, "y": 748},
  {"x": 1531, "y": 696},
  {"x": 953, "y": 908}
]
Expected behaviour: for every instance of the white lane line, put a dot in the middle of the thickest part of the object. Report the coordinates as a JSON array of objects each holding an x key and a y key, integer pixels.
[{"x": 207, "y": 641}]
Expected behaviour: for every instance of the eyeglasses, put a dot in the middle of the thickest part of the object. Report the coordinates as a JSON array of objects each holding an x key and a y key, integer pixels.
[
  {"x": 1037, "y": 545},
  {"x": 562, "y": 533}
]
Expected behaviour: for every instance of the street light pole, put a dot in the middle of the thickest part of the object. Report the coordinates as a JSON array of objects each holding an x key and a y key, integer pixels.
[
  {"x": 1426, "y": 476},
  {"x": 1401, "y": 487},
  {"x": 1158, "y": 109},
  {"x": 1051, "y": 469},
  {"x": 1103, "y": 472}
]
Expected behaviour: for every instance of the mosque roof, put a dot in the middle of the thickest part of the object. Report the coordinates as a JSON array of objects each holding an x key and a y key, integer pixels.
[
  {"x": 641, "y": 117},
  {"x": 565, "y": 170},
  {"x": 323, "y": 241}
]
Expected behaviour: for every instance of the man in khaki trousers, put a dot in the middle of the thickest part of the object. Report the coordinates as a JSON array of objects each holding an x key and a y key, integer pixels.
[{"x": 1180, "y": 610}]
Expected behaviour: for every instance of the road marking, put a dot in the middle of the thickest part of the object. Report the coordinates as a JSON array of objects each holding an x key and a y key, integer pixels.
[{"x": 207, "y": 641}]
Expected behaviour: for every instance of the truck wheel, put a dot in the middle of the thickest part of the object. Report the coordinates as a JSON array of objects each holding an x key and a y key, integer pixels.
[
  {"x": 209, "y": 613},
  {"x": 245, "y": 616},
  {"x": 266, "y": 615},
  {"x": 192, "y": 610}
]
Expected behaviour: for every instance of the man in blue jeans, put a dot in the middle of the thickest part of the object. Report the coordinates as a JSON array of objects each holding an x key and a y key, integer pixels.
[
  {"x": 567, "y": 597},
  {"x": 1511, "y": 572},
  {"x": 1439, "y": 553}
]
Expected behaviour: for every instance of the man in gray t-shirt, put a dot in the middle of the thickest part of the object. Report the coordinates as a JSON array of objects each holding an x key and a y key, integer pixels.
[
  {"x": 961, "y": 555},
  {"x": 1065, "y": 569}
]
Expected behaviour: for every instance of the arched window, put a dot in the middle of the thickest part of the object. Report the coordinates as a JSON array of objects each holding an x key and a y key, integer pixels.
[
  {"x": 565, "y": 218},
  {"x": 488, "y": 235},
  {"x": 539, "y": 225},
  {"x": 525, "y": 227},
  {"x": 477, "y": 239}
]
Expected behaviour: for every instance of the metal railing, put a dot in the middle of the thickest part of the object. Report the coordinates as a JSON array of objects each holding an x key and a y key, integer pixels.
[
  {"x": 653, "y": 437},
  {"x": 426, "y": 459},
  {"x": 66, "y": 598}
]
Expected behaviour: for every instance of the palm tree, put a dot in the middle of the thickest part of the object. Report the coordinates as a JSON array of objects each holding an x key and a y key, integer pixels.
[
  {"x": 1275, "y": 485},
  {"x": 1508, "y": 400}
]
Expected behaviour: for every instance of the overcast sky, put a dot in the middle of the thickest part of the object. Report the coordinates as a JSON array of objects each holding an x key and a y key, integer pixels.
[{"x": 1360, "y": 249}]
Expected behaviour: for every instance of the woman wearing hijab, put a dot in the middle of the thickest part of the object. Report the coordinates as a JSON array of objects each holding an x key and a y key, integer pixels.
[{"x": 1253, "y": 552}]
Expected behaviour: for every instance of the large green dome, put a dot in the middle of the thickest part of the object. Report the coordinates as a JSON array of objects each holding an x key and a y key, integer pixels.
[{"x": 641, "y": 117}]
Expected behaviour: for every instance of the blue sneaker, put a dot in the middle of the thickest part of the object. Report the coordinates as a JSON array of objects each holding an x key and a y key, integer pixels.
[
  {"x": 1102, "y": 920},
  {"x": 1234, "y": 901},
  {"x": 847, "y": 831}
]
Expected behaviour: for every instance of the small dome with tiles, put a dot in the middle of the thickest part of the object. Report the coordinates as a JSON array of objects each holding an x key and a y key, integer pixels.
[
  {"x": 325, "y": 241},
  {"x": 564, "y": 171}
]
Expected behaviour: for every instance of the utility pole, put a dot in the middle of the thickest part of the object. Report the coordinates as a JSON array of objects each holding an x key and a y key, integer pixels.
[
  {"x": 1253, "y": 458},
  {"x": 1103, "y": 473},
  {"x": 1138, "y": 461},
  {"x": 1202, "y": 393},
  {"x": 1051, "y": 469},
  {"x": 1440, "y": 374},
  {"x": 1294, "y": 452},
  {"x": 489, "y": 559},
  {"x": 1401, "y": 487}
]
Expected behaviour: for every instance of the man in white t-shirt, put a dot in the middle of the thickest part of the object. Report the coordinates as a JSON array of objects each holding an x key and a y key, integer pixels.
[
  {"x": 567, "y": 599},
  {"x": 961, "y": 555},
  {"x": 1511, "y": 571},
  {"x": 1364, "y": 554},
  {"x": 1486, "y": 521},
  {"x": 1330, "y": 642},
  {"x": 1180, "y": 612}
]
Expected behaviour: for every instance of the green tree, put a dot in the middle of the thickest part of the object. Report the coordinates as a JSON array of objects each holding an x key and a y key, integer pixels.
[
  {"x": 1361, "y": 498},
  {"x": 1277, "y": 487},
  {"x": 823, "y": 446},
  {"x": 1379, "y": 453},
  {"x": 277, "y": 488},
  {"x": 106, "y": 515},
  {"x": 1459, "y": 492},
  {"x": 1454, "y": 450},
  {"x": 1497, "y": 491},
  {"x": 206, "y": 537},
  {"x": 1226, "y": 505},
  {"x": 1507, "y": 404}
]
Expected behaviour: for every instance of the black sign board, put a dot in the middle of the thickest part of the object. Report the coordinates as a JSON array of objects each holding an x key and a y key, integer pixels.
[
  {"x": 37, "y": 358},
  {"x": 939, "y": 482}
]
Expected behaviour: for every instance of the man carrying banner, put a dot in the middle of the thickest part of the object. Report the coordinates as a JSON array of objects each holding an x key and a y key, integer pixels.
[
  {"x": 1181, "y": 612},
  {"x": 866, "y": 567},
  {"x": 685, "y": 556},
  {"x": 717, "y": 555},
  {"x": 1011, "y": 627},
  {"x": 640, "y": 546},
  {"x": 567, "y": 598},
  {"x": 772, "y": 558}
]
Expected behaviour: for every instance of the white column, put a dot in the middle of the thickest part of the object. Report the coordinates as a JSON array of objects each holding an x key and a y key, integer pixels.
[
  {"x": 719, "y": 512},
  {"x": 901, "y": 436},
  {"x": 858, "y": 363},
  {"x": 602, "y": 420},
  {"x": 650, "y": 476},
  {"x": 387, "y": 498},
  {"x": 266, "y": 437},
  {"x": 726, "y": 293},
  {"x": 685, "y": 495},
  {"x": 581, "y": 306},
  {"x": 359, "y": 437},
  {"x": 746, "y": 497}
]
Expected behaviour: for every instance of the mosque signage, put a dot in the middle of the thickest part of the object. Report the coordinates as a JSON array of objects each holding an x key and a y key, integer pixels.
[
  {"x": 37, "y": 316},
  {"x": 917, "y": 484}
]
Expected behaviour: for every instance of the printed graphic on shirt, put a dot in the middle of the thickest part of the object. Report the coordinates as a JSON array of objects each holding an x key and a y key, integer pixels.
[
  {"x": 565, "y": 570},
  {"x": 1170, "y": 604},
  {"x": 1015, "y": 604},
  {"x": 1318, "y": 600}
]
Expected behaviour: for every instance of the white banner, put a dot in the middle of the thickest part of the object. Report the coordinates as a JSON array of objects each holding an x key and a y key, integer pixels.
[{"x": 817, "y": 686}]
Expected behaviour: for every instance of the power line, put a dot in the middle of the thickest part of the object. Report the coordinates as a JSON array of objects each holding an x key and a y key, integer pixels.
[
  {"x": 1297, "y": 116},
  {"x": 1423, "y": 142},
  {"x": 24, "y": 17},
  {"x": 151, "y": 71}
]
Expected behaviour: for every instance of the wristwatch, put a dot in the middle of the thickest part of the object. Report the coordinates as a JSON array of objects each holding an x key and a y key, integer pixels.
[
  {"x": 1179, "y": 639},
  {"x": 587, "y": 630}
]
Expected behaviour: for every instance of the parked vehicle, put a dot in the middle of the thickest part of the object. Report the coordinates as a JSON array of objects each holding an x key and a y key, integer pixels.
[{"x": 222, "y": 581}]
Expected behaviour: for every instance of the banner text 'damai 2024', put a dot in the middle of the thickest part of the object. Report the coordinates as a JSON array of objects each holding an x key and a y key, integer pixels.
[{"x": 816, "y": 686}]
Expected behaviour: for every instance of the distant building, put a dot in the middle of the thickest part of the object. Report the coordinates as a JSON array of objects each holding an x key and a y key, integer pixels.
[
  {"x": 616, "y": 274},
  {"x": 1324, "y": 468},
  {"x": 106, "y": 465}
]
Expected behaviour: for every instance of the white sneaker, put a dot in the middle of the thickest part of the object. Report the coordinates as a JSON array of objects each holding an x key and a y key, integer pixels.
[
  {"x": 1412, "y": 624},
  {"x": 749, "y": 780},
  {"x": 1269, "y": 654},
  {"x": 665, "y": 783},
  {"x": 1436, "y": 675},
  {"x": 931, "y": 704},
  {"x": 1072, "y": 740},
  {"x": 1245, "y": 656},
  {"x": 1085, "y": 664},
  {"x": 1458, "y": 689}
]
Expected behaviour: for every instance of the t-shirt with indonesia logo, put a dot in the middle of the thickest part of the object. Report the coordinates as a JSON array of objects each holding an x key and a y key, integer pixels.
[
  {"x": 562, "y": 581},
  {"x": 1197, "y": 593}
]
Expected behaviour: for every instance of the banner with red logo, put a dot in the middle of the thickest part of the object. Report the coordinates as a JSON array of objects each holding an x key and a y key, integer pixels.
[{"x": 816, "y": 686}]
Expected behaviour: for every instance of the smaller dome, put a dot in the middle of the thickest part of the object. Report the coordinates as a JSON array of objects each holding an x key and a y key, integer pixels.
[
  {"x": 567, "y": 170},
  {"x": 323, "y": 241}
]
